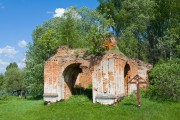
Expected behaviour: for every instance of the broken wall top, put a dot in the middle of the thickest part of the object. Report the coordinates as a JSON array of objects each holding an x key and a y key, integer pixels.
[
  {"x": 74, "y": 54},
  {"x": 65, "y": 54}
]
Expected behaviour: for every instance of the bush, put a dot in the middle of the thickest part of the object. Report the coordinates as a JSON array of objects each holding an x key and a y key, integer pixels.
[
  {"x": 3, "y": 96},
  {"x": 165, "y": 81}
]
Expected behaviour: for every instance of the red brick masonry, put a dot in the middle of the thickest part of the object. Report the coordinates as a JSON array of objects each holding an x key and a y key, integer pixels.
[{"x": 108, "y": 74}]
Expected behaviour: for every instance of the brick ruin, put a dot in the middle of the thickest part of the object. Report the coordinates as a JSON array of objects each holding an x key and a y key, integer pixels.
[{"x": 108, "y": 74}]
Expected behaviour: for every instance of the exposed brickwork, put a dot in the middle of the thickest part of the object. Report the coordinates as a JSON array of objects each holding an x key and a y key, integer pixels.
[
  {"x": 110, "y": 42},
  {"x": 69, "y": 69}
]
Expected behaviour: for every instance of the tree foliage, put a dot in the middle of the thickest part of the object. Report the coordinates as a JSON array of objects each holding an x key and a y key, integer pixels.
[
  {"x": 165, "y": 81},
  {"x": 12, "y": 65},
  {"x": 163, "y": 32},
  {"x": 1, "y": 82},
  {"x": 111, "y": 9},
  {"x": 14, "y": 79},
  {"x": 131, "y": 21},
  {"x": 148, "y": 30},
  {"x": 96, "y": 28}
]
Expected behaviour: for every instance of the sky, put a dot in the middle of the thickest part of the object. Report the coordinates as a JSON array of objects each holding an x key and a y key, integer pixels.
[{"x": 18, "y": 18}]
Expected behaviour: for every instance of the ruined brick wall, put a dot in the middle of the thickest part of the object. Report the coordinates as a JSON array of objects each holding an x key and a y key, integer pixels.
[
  {"x": 110, "y": 42},
  {"x": 143, "y": 70},
  {"x": 56, "y": 86},
  {"x": 108, "y": 75},
  {"x": 69, "y": 68}
]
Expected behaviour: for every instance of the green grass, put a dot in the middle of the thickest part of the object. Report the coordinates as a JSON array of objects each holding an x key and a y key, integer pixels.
[{"x": 81, "y": 108}]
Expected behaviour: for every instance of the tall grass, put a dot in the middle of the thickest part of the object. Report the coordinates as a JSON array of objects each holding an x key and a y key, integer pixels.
[{"x": 79, "y": 107}]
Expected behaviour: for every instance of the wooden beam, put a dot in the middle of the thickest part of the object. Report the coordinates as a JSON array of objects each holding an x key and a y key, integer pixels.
[{"x": 138, "y": 96}]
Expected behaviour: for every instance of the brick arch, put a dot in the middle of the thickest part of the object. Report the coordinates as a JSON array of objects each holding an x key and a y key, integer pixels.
[
  {"x": 83, "y": 63},
  {"x": 127, "y": 76},
  {"x": 127, "y": 62},
  {"x": 71, "y": 74},
  {"x": 73, "y": 79}
]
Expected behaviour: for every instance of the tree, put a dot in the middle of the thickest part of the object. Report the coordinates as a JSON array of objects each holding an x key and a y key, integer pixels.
[
  {"x": 170, "y": 44},
  {"x": 131, "y": 21},
  {"x": 14, "y": 79},
  {"x": 96, "y": 28},
  {"x": 1, "y": 82},
  {"x": 151, "y": 26},
  {"x": 159, "y": 30},
  {"x": 111, "y": 9},
  {"x": 12, "y": 65}
]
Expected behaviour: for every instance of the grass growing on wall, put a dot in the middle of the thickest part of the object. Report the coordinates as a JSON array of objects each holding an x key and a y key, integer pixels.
[{"x": 81, "y": 108}]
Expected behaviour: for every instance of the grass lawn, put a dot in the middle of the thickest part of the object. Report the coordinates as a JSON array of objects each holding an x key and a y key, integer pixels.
[{"x": 81, "y": 108}]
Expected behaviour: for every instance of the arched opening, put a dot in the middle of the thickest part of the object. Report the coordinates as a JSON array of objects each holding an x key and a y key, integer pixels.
[
  {"x": 71, "y": 74},
  {"x": 126, "y": 78},
  {"x": 77, "y": 81}
]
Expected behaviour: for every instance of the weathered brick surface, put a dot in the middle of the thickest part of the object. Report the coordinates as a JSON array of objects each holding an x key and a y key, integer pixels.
[{"x": 69, "y": 68}]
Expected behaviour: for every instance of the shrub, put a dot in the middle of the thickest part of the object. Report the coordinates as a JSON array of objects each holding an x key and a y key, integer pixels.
[
  {"x": 165, "y": 81},
  {"x": 3, "y": 96}
]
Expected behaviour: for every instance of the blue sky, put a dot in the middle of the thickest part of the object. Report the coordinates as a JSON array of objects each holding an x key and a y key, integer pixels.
[{"x": 18, "y": 18}]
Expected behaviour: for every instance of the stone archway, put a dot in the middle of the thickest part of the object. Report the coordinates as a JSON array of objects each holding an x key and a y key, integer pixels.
[{"x": 126, "y": 79}]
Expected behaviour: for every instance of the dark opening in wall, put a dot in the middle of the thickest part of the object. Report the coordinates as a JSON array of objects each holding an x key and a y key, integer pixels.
[
  {"x": 74, "y": 84},
  {"x": 126, "y": 79},
  {"x": 70, "y": 75}
]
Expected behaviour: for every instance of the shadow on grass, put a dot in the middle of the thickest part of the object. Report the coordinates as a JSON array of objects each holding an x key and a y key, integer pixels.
[
  {"x": 81, "y": 91},
  {"x": 3, "y": 102},
  {"x": 34, "y": 98},
  {"x": 130, "y": 101},
  {"x": 131, "y": 104}
]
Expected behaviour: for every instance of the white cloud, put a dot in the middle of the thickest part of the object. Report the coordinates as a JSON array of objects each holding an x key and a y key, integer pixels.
[
  {"x": 3, "y": 66},
  {"x": 2, "y": 63},
  {"x": 22, "y": 64},
  {"x": 8, "y": 50},
  {"x": 2, "y": 70},
  {"x": 76, "y": 15},
  {"x": 22, "y": 43},
  {"x": 59, "y": 12}
]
